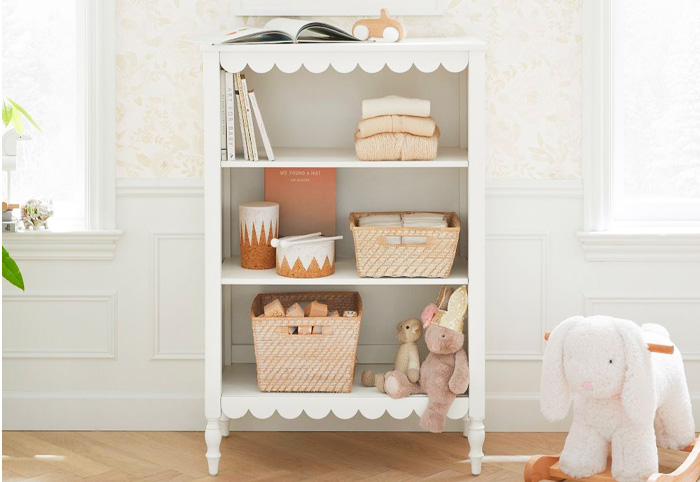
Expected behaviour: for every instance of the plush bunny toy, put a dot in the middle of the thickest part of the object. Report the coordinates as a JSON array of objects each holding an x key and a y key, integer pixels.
[
  {"x": 622, "y": 395},
  {"x": 445, "y": 372}
]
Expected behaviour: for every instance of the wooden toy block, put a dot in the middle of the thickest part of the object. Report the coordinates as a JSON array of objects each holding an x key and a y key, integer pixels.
[
  {"x": 274, "y": 308},
  {"x": 316, "y": 309},
  {"x": 295, "y": 311},
  {"x": 305, "y": 330}
]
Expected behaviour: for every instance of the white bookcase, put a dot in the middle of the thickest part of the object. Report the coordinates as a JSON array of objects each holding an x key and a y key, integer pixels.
[{"x": 310, "y": 98}]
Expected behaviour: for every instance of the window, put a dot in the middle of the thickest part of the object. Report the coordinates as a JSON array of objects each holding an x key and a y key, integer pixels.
[
  {"x": 643, "y": 119},
  {"x": 53, "y": 67}
]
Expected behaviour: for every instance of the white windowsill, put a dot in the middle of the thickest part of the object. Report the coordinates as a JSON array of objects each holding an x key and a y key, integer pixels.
[
  {"x": 62, "y": 245},
  {"x": 641, "y": 245}
]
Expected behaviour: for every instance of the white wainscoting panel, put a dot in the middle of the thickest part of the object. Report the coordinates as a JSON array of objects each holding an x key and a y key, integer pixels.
[
  {"x": 516, "y": 303},
  {"x": 59, "y": 325},
  {"x": 178, "y": 296},
  {"x": 537, "y": 275},
  {"x": 680, "y": 316}
]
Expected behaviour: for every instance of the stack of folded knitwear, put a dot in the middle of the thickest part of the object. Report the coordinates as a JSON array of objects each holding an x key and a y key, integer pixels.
[
  {"x": 409, "y": 220},
  {"x": 396, "y": 128}
]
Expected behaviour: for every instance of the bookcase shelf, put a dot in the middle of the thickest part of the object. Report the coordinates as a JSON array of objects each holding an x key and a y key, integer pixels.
[
  {"x": 345, "y": 274},
  {"x": 311, "y": 99},
  {"x": 346, "y": 158},
  {"x": 240, "y": 396}
]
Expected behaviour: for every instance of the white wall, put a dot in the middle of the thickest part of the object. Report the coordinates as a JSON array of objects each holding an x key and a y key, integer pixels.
[{"x": 122, "y": 349}]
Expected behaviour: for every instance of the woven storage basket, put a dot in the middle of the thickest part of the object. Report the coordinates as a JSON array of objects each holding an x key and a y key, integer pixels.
[
  {"x": 375, "y": 258},
  {"x": 322, "y": 362}
]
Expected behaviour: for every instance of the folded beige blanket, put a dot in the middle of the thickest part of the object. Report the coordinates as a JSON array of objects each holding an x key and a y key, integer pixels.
[
  {"x": 418, "y": 126},
  {"x": 397, "y": 146},
  {"x": 395, "y": 105}
]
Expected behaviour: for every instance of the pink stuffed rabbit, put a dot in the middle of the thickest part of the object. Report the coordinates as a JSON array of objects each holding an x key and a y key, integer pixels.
[{"x": 445, "y": 372}]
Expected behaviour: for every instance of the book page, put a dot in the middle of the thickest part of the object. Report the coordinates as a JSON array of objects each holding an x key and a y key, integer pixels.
[
  {"x": 245, "y": 34},
  {"x": 290, "y": 26}
]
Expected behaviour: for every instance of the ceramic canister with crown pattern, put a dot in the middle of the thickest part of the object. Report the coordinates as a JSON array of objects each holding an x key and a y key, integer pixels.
[
  {"x": 258, "y": 224},
  {"x": 307, "y": 256}
]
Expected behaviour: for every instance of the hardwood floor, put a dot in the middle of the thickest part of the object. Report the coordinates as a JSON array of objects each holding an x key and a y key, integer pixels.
[{"x": 267, "y": 456}]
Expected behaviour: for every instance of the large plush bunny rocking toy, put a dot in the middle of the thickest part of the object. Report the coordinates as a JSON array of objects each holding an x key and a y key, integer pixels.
[
  {"x": 626, "y": 399},
  {"x": 445, "y": 372}
]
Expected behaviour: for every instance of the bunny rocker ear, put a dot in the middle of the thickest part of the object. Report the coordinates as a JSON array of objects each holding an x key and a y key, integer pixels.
[
  {"x": 638, "y": 390},
  {"x": 555, "y": 395}
]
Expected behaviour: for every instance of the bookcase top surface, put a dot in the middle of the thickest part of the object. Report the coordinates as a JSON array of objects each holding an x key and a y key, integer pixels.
[
  {"x": 464, "y": 44},
  {"x": 425, "y": 54}
]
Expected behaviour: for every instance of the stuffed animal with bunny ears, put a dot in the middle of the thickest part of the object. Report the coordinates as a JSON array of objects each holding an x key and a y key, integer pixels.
[
  {"x": 626, "y": 399},
  {"x": 445, "y": 372}
]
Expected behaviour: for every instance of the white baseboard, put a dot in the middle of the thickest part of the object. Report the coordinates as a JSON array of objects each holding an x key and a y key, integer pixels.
[
  {"x": 102, "y": 411},
  {"x": 506, "y": 412}
]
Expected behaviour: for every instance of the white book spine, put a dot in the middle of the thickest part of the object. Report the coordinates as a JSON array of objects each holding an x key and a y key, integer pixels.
[
  {"x": 245, "y": 130},
  {"x": 240, "y": 124},
  {"x": 230, "y": 120},
  {"x": 251, "y": 127},
  {"x": 261, "y": 127},
  {"x": 223, "y": 115}
]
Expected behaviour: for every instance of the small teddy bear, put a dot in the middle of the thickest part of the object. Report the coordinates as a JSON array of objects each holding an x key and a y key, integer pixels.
[
  {"x": 445, "y": 372},
  {"x": 407, "y": 361}
]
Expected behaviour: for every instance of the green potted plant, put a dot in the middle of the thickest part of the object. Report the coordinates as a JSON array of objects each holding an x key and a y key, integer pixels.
[{"x": 13, "y": 115}]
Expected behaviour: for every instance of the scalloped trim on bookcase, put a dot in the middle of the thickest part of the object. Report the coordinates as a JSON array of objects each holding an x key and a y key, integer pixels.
[
  {"x": 400, "y": 410},
  {"x": 345, "y": 62}
]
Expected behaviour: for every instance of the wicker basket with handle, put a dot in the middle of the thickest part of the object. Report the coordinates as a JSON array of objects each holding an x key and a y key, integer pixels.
[
  {"x": 317, "y": 362},
  {"x": 375, "y": 258}
]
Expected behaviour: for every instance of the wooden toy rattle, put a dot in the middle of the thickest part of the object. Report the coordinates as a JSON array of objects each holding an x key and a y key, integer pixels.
[{"x": 385, "y": 28}]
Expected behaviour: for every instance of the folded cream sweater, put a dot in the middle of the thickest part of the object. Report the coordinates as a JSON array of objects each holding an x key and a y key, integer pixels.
[
  {"x": 418, "y": 126},
  {"x": 395, "y": 105},
  {"x": 397, "y": 146}
]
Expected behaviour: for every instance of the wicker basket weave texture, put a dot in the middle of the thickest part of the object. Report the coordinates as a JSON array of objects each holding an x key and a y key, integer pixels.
[
  {"x": 375, "y": 258},
  {"x": 306, "y": 363}
]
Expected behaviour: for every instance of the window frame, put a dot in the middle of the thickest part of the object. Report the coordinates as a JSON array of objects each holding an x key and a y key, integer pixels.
[
  {"x": 100, "y": 113},
  {"x": 599, "y": 126},
  {"x": 600, "y": 239},
  {"x": 96, "y": 67}
]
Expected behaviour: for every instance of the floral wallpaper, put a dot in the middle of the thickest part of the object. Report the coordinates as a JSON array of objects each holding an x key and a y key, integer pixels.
[{"x": 534, "y": 87}]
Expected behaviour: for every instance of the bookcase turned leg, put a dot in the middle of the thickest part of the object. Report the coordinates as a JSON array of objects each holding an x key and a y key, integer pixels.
[
  {"x": 225, "y": 424},
  {"x": 212, "y": 435},
  {"x": 477, "y": 435}
]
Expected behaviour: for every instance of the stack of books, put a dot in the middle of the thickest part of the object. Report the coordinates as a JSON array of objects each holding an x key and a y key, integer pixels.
[{"x": 237, "y": 100}]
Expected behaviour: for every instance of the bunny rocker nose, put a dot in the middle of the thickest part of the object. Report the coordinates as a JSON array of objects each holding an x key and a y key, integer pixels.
[{"x": 587, "y": 385}]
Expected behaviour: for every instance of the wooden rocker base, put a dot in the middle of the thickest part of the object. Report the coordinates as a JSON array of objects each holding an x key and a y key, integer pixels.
[{"x": 546, "y": 467}]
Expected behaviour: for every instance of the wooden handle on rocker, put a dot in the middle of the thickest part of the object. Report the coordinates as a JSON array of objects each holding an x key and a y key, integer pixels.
[{"x": 653, "y": 347}]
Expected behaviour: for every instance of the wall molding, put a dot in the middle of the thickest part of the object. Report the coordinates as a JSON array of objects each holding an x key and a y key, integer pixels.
[
  {"x": 108, "y": 297},
  {"x": 158, "y": 354},
  {"x": 590, "y": 301},
  {"x": 534, "y": 188},
  {"x": 505, "y": 412},
  {"x": 543, "y": 238},
  {"x": 160, "y": 187},
  {"x": 610, "y": 246},
  {"x": 99, "y": 245},
  {"x": 102, "y": 410}
]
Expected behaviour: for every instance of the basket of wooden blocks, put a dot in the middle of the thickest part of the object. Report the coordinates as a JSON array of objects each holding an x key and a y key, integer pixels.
[{"x": 306, "y": 342}]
